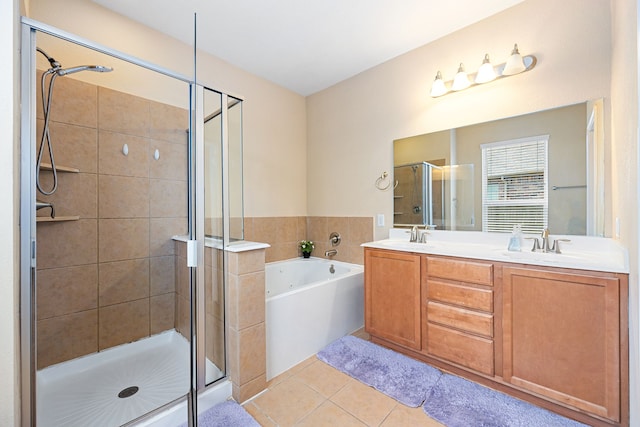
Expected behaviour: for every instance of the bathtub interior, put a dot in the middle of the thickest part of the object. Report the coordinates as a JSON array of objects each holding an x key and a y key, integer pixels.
[{"x": 284, "y": 276}]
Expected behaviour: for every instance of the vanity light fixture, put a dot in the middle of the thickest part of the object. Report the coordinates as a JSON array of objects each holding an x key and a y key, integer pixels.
[{"x": 487, "y": 72}]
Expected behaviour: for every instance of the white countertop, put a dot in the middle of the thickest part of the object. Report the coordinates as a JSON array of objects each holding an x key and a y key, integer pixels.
[{"x": 581, "y": 252}]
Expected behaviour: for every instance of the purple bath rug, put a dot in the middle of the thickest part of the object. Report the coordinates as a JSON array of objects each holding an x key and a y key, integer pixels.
[
  {"x": 226, "y": 414},
  {"x": 399, "y": 377},
  {"x": 456, "y": 402}
]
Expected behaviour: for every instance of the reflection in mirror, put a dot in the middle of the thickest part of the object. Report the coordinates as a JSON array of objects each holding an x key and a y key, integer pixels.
[
  {"x": 417, "y": 197},
  {"x": 215, "y": 364},
  {"x": 529, "y": 170},
  {"x": 214, "y": 163},
  {"x": 236, "y": 205}
]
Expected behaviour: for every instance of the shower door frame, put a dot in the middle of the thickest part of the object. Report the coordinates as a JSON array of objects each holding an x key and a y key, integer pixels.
[{"x": 28, "y": 242}]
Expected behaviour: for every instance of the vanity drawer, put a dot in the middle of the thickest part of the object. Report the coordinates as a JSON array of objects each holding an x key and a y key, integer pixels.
[
  {"x": 459, "y": 270},
  {"x": 464, "y": 296},
  {"x": 460, "y": 318},
  {"x": 467, "y": 350}
]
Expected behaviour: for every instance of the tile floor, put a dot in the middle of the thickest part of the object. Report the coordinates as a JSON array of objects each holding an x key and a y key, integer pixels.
[{"x": 313, "y": 393}]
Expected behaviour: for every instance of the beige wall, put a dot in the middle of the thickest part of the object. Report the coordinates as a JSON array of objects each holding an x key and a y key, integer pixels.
[
  {"x": 274, "y": 118},
  {"x": 351, "y": 125},
  {"x": 624, "y": 112},
  {"x": 9, "y": 116}
]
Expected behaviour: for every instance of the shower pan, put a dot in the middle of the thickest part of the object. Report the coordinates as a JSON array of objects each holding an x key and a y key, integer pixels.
[{"x": 118, "y": 324}]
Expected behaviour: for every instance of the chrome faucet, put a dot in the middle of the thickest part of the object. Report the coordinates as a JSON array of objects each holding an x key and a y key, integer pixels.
[
  {"x": 414, "y": 234},
  {"x": 545, "y": 246},
  {"x": 545, "y": 240},
  {"x": 423, "y": 235},
  {"x": 331, "y": 252},
  {"x": 418, "y": 235}
]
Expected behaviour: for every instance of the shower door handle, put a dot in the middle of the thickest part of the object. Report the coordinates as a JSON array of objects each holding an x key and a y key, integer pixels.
[{"x": 33, "y": 253}]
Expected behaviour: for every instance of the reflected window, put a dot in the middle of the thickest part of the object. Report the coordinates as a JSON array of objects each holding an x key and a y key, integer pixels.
[{"x": 515, "y": 185}]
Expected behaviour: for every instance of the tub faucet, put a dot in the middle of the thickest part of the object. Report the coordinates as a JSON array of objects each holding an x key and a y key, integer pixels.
[
  {"x": 330, "y": 253},
  {"x": 40, "y": 205}
]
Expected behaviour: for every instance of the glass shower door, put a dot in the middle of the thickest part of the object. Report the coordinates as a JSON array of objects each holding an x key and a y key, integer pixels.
[{"x": 106, "y": 292}]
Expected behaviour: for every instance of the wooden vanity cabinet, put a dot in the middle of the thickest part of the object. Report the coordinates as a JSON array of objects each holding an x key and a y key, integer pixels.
[
  {"x": 563, "y": 336},
  {"x": 392, "y": 297},
  {"x": 458, "y": 312},
  {"x": 554, "y": 336}
]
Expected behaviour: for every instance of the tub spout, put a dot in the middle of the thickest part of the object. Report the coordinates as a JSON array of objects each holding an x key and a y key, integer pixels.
[{"x": 331, "y": 252}]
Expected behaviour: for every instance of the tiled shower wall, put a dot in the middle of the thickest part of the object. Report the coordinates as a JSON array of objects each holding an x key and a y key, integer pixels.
[
  {"x": 284, "y": 234},
  {"x": 109, "y": 277}
]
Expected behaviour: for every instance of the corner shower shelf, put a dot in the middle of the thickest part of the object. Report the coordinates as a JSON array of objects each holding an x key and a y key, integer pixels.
[
  {"x": 47, "y": 167},
  {"x": 56, "y": 219}
]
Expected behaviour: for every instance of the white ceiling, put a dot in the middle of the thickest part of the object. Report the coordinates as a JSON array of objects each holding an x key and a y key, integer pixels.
[{"x": 306, "y": 45}]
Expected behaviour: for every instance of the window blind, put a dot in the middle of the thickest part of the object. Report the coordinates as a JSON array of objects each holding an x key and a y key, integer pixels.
[{"x": 515, "y": 185}]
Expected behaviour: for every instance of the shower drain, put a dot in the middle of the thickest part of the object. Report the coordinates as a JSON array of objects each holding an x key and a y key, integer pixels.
[{"x": 128, "y": 392}]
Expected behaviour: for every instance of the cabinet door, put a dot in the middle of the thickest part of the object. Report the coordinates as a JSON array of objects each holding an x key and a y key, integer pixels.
[
  {"x": 562, "y": 337},
  {"x": 392, "y": 296}
]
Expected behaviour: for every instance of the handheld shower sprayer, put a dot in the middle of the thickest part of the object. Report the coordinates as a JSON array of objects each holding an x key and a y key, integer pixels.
[{"x": 47, "y": 95}]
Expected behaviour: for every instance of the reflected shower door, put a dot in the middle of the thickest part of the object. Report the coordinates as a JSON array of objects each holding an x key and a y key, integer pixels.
[
  {"x": 224, "y": 219},
  {"x": 214, "y": 307}
]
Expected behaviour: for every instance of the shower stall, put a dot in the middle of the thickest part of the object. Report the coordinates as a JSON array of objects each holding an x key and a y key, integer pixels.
[{"x": 123, "y": 171}]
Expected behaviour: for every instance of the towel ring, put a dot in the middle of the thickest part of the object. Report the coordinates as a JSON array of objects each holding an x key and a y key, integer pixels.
[{"x": 381, "y": 179}]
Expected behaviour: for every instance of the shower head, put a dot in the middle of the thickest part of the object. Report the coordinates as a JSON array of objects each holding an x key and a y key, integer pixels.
[{"x": 96, "y": 68}]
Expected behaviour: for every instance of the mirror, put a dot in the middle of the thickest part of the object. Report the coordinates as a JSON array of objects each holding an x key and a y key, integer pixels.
[{"x": 530, "y": 170}]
